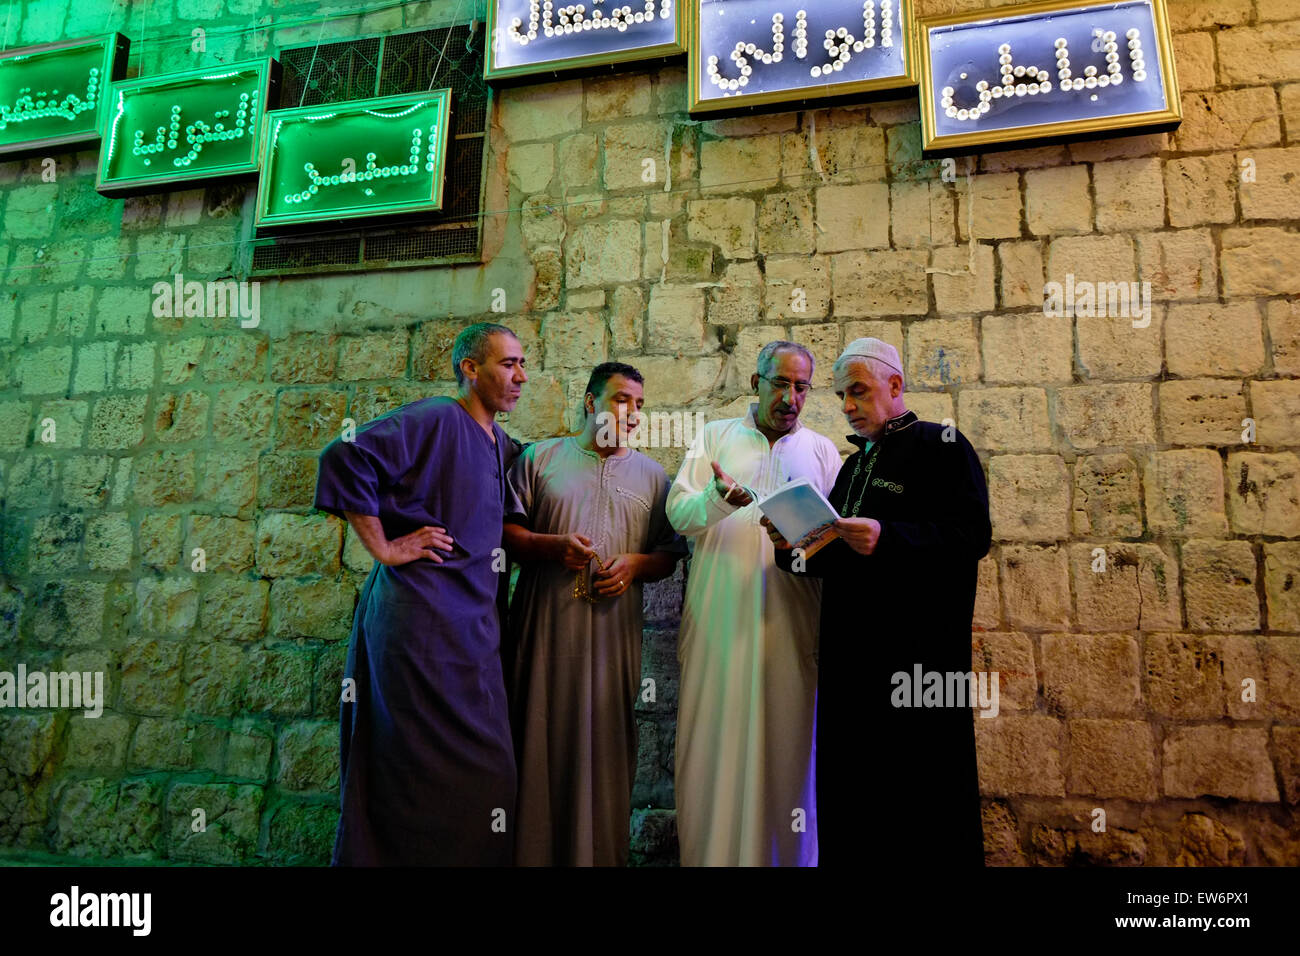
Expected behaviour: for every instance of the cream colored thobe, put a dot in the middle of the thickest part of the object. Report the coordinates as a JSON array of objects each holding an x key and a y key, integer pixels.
[{"x": 745, "y": 782}]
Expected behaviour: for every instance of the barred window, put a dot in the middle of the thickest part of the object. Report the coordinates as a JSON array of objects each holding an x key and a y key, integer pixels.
[{"x": 387, "y": 66}]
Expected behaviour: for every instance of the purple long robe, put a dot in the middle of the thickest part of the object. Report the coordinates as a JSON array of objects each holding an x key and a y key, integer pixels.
[{"x": 427, "y": 766}]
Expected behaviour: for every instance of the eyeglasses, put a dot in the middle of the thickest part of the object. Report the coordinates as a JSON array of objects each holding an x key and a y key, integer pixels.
[{"x": 782, "y": 385}]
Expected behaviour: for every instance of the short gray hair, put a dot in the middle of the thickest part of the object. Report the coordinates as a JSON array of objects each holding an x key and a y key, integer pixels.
[
  {"x": 472, "y": 343},
  {"x": 767, "y": 356}
]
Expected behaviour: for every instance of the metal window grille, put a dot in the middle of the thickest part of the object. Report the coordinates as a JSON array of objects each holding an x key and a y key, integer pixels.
[{"x": 387, "y": 66}]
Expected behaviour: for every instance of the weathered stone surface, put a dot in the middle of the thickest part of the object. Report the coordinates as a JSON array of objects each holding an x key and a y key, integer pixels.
[
  {"x": 96, "y": 742},
  {"x": 1112, "y": 758},
  {"x": 1276, "y": 405},
  {"x": 1106, "y": 500},
  {"x": 117, "y": 421},
  {"x": 1214, "y": 340},
  {"x": 786, "y": 223},
  {"x": 1184, "y": 493},
  {"x": 1201, "y": 412},
  {"x": 305, "y": 358},
  {"x": 603, "y": 253},
  {"x": 1219, "y": 761},
  {"x": 1126, "y": 586},
  {"x": 308, "y": 755},
  {"x": 290, "y": 545},
  {"x": 1228, "y": 120},
  {"x": 1095, "y": 416},
  {"x": 1035, "y": 586},
  {"x": 997, "y": 206},
  {"x": 1028, "y": 348},
  {"x": 1131, "y": 193},
  {"x": 1286, "y": 744},
  {"x": 150, "y": 676},
  {"x": 1019, "y": 755},
  {"x": 799, "y": 288},
  {"x": 306, "y": 419},
  {"x": 1282, "y": 584},
  {"x": 988, "y": 603},
  {"x": 99, "y": 818},
  {"x": 1091, "y": 674},
  {"x": 164, "y": 477},
  {"x": 1021, "y": 267},
  {"x": 302, "y": 834},
  {"x": 1011, "y": 657},
  {"x": 1005, "y": 419},
  {"x": 963, "y": 279},
  {"x": 1207, "y": 842},
  {"x": 1114, "y": 348},
  {"x": 167, "y": 605},
  {"x": 234, "y": 608},
  {"x": 1259, "y": 261},
  {"x": 942, "y": 352},
  {"x": 231, "y": 813},
  {"x": 852, "y": 217},
  {"x": 1029, "y": 497},
  {"x": 745, "y": 165},
  {"x": 541, "y": 111},
  {"x": 1264, "y": 493},
  {"x": 880, "y": 283},
  {"x": 1219, "y": 583},
  {"x": 1183, "y": 677},
  {"x": 380, "y": 355},
  {"x": 1058, "y": 201},
  {"x": 319, "y": 609},
  {"x": 726, "y": 223}
]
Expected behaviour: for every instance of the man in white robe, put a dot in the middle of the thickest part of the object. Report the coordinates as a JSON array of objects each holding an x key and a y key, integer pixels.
[{"x": 745, "y": 785}]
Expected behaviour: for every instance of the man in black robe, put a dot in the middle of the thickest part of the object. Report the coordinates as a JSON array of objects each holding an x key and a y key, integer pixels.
[{"x": 896, "y": 785}]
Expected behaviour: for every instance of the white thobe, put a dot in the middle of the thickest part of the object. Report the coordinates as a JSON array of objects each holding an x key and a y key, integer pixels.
[{"x": 745, "y": 782}]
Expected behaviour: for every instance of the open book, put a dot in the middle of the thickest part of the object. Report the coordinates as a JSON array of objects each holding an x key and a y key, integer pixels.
[{"x": 802, "y": 514}]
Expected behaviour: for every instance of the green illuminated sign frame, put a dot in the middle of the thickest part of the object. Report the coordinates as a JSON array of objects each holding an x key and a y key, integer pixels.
[
  {"x": 23, "y": 73},
  {"x": 125, "y": 161},
  {"x": 336, "y": 133}
]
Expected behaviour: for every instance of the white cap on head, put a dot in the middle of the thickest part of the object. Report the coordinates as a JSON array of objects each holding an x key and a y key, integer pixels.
[{"x": 876, "y": 349}]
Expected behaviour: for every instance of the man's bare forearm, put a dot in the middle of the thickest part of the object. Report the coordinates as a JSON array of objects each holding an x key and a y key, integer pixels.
[
  {"x": 371, "y": 532},
  {"x": 525, "y": 545},
  {"x": 657, "y": 565}
]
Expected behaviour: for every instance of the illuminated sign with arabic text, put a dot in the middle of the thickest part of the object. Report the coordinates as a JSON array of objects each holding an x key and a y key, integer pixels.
[
  {"x": 56, "y": 94},
  {"x": 545, "y": 36},
  {"x": 375, "y": 157},
  {"x": 1046, "y": 70},
  {"x": 188, "y": 126},
  {"x": 758, "y": 52}
]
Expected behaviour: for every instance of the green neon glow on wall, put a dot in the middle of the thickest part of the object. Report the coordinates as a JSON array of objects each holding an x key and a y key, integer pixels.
[
  {"x": 375, "y": 157},
  {"x": 56, "y": 94},
  {"x": 184, "y": 126}
]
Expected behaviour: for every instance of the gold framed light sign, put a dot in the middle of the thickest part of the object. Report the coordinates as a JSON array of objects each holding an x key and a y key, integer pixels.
[
  {"x": 759, "y": 52},
  {"x": 56, "y": 94},
  {"x": 527, "y": 37},
  {"x": 1043, "y": 71}
]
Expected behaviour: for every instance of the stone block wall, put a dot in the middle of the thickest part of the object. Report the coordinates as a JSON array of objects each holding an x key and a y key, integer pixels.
[{"x": 1161, "y": 690}]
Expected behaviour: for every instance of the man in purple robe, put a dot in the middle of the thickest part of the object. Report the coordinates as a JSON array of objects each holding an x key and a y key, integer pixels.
[{"x": 427, "y": 770}]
